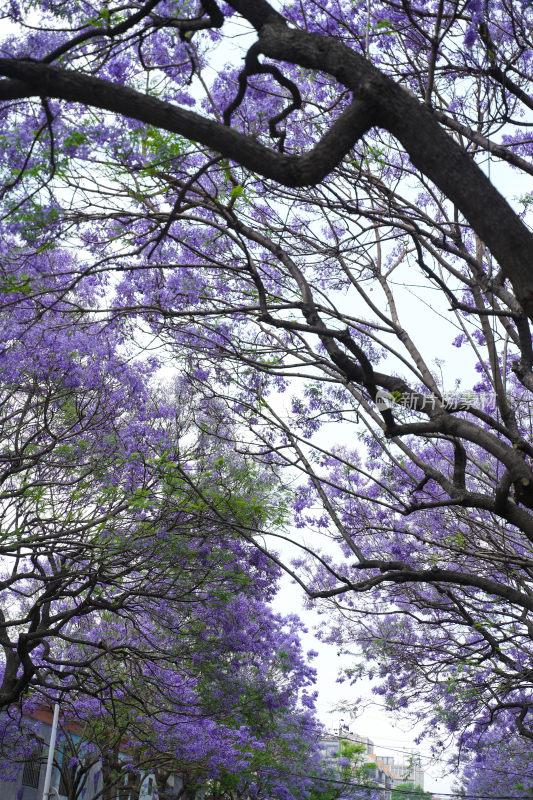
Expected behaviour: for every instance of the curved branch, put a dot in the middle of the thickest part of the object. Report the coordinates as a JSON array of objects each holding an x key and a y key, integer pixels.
[
  {"x": 378, "y": 101},
  {"x": 30, "y": 79},
  {"x": 398, "y": 572}
]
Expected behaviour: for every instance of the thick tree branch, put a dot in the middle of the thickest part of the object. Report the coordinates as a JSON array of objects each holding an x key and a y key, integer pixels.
[{"x": 378, "y": 101}]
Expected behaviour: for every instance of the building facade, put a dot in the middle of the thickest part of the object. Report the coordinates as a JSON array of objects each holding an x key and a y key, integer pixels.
[
  {"x": 380, "y": 777},
  {"x": 407, "y": 769},
  {"x": 390, "y": 771},
  {"x": 29, "y": 780}
]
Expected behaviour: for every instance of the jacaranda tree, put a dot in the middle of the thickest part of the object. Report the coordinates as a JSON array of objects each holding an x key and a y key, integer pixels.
[
  {"x": 118, "y": 496},
  {"x": 223, "y": 707},
  {"x": 497, "y": 764},
  {"x": 131, "y": 593},
  {"x": 310, "y": 233}
]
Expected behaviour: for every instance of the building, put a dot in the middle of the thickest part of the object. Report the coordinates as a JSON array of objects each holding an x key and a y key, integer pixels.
[
  {"x": 29, "y": 783},
  {"x": 378, "y": 772},
  {"x": 390, "y": 770},
  {"x": 408, "y": 768}
]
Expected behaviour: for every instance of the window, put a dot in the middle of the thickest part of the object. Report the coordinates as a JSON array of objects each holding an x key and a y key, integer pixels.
[
  {"x": 32, "y": 768},
  {"x": 67, "y": 774},
  {"x": 65, "y": 780}
]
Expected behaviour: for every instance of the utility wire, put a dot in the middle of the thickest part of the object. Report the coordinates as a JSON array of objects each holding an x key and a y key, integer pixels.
[
  {"x": 457, "y": 795},
  {"x": 415, "y": 755}
]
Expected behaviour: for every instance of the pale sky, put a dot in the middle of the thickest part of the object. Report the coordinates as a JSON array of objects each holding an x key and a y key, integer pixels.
[{"x": 373, "y": 722}]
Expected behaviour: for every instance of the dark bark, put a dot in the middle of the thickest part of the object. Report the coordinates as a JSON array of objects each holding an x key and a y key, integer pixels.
[{"x": 378, "y": 101}]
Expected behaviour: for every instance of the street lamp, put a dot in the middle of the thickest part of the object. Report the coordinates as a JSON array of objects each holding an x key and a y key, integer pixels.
[{"x": 51, "y": 753}]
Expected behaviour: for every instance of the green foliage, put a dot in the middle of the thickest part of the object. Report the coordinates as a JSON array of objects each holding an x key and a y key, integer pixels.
[
  {"x": 352, "y": 768},
  {"x": 385, "y": 27},
  {"x": 15, "y": 284},
  {"x": 408, "y": 791},
  {"x": 75, "y": 139},
  {"x": 34, "y": 219},
  {"x": 163, "y": 144}
]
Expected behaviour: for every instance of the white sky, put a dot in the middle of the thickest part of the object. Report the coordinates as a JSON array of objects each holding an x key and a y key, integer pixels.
[{"x": 389, "y": 738}]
